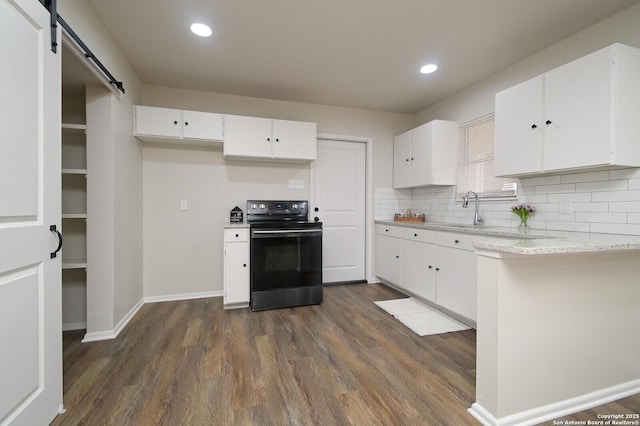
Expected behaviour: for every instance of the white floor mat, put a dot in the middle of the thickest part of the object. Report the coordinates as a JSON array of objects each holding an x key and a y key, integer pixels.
[{"x": 419, "y": 317}]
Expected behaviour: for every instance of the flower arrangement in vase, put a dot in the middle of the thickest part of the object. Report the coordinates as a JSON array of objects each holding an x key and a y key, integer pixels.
[{"x": 523, "y": 210}]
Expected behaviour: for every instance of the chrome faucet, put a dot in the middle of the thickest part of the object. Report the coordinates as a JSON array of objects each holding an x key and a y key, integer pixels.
[{"x": 477, "y": 219}]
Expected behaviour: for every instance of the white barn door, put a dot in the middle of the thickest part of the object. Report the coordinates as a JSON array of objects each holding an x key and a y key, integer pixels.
[
  {"x": 30, "y": 292},
  {"x": 339, "y": 197}
]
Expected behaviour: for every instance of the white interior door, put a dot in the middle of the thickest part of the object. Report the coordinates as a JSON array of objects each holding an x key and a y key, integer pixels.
[
  {"x": 340, "y": 202},
  {"x": 30, "y": 293}
]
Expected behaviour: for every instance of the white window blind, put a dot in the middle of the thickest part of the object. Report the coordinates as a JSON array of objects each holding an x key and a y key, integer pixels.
[{"x": 475, "y": 161}]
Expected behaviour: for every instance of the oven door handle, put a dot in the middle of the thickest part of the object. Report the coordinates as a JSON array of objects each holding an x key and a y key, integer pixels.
[{"x": 288, "y": 233}]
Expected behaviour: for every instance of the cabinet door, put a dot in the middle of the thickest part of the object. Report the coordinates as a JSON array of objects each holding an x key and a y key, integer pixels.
[
  {"x": 578, "y": 105},
  {"x": 456, "y": 280},
  {"x": 443, "y": 152},
  {"x": 201, "y": 125},
  {"x": 402, "y": 160},
  {"x": 421, "y": 155},
  {"x": 388, "y": 263},
  {"x": 294, "y": 140},
  {"x": 153, "y": 121},
  {"x": 247, "y": 136},
  {"x": 236, "y": 273},
  {"x": 519, "y": 129},
  {"x": 418, "y": 268}
]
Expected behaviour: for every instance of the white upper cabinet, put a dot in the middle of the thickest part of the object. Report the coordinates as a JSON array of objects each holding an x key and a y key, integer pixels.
[
  {"x": 153, "y": 124},
  {"x": 267, "y": 139},
  {"x": 201, "y": 125},
  {"x": 518, "y": 133},
  {"x": 426, "y": 155},
  {"x": 402, "y": 160},
  {"x": 294, "y": 140},
  {"x": 247, "y": 136},
  {"x": 580, "y": 115}
]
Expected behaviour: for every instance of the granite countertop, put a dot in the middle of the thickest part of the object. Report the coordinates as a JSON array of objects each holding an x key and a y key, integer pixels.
[{"x": 535, "y": 241}]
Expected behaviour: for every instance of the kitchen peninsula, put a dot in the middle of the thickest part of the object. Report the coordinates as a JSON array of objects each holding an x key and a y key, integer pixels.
[
  {"x": 560, "y": 316},
  {"x": 556, "y": 320}
]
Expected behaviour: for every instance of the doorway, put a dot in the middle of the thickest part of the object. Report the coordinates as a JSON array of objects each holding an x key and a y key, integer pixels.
[{"x": 340, "y": 202}]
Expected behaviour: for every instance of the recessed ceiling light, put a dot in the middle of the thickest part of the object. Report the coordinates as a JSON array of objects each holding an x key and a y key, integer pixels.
[
  {"x": 201, "y": 30},
  {"x": 428, "y": 69}
]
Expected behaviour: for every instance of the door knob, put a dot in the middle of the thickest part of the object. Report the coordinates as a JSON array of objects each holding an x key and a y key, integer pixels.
[{"x": 316, "y": 209}]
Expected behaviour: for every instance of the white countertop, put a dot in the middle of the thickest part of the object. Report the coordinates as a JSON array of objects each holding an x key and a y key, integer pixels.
[
  {"x": 236, "y": 225},
  {"x": 535, "y": 241}
]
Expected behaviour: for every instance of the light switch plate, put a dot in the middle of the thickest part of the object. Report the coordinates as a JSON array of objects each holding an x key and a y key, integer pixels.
[{"x": 184, "y": 205}]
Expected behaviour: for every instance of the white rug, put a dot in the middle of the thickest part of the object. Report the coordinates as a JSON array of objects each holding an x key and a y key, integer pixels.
[{"x": 419, "y": 317}]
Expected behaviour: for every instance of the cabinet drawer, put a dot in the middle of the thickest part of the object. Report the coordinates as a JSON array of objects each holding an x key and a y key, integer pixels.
[
  {"x": 239, "y": 234},
  {"x": 391, "y": 231},
  {"x": 421, "y": 235},
  {"x": 458, "y": 241}
]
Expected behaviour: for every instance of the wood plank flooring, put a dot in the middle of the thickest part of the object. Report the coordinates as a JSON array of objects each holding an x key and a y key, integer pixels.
[{"x": 345, "y": 362}]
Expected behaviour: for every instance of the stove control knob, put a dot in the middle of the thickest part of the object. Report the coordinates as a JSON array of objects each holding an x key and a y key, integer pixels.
[
  {"x": 295, "y": 206},
  {"x": 254, "y": 206},
  {"x": 262, "y": 206}
]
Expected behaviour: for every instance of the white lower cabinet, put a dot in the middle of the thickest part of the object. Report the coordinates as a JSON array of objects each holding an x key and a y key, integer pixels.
[
  {"x": 418, "y": 263},
  {"x": 388, "y": 246},
  {"x": 456, "y": 276},
  {"x": 436, "y": 266},
  {"x": 236, "y": 268}
]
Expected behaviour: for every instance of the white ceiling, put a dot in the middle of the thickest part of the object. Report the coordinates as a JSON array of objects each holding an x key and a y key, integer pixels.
[{"x": 353, "y": 53}]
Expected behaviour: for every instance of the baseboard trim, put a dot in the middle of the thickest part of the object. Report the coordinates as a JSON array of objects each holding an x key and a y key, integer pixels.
[
  {"x": 556, "y": 410},
  {"x": 125, "y": 320},
  {"x": 362, "y": 281},
  {"x": 97, "y": 336},
  {"x": 70, "y": 326},
  {"x": 112, "y": 334},
  {"x": 183, "y": 296}
]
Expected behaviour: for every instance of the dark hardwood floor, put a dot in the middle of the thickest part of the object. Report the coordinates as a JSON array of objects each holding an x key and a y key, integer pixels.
[{"x": 345, "y": 362}]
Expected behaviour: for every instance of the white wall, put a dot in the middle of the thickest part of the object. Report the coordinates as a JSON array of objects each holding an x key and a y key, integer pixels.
[
  {"x": 121, "y": 175},
  {"x": 601, "y": 202},
  {"x": 183, "y": 249}
]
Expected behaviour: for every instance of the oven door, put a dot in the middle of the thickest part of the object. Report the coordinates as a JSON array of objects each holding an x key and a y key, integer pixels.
[
  {"x": 285, "y": 258},
  {"x": 286, "y": 267}
]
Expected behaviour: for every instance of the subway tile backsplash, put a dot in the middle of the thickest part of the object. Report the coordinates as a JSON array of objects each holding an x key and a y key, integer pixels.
[{"x": 601, "y": 201}]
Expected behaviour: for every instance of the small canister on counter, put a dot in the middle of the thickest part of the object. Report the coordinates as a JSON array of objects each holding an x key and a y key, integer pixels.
[{"x": 236, "y": 215}]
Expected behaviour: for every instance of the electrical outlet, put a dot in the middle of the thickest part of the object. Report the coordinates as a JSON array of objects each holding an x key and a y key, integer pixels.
[
  {"x": 565, "y": 206},
  {"x": 184, "y": 205},
  {"x": 296, "y": 184}
]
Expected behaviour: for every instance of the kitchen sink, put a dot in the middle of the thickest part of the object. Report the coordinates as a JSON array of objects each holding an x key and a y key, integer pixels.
[{"x": 459, "y": 225}]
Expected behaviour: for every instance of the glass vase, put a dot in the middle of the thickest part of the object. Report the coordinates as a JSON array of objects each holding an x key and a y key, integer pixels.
[{"x": 523, "y": 227}]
